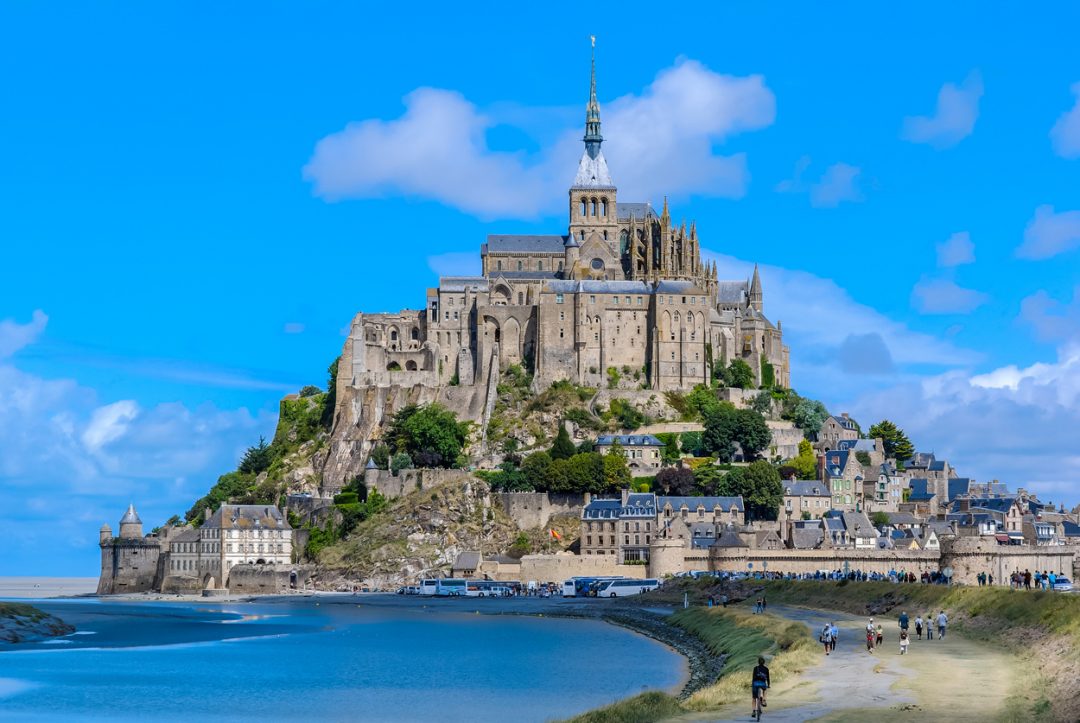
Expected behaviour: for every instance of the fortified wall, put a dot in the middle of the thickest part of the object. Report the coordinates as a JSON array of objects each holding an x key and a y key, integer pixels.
[
  {"x": 410, "y": 480},
  {"x": 553, "y": 568},
  {"x": 535, "y": 509},
  {"x": 266, "y": 579},
  {"x": 968, "y": 556}
]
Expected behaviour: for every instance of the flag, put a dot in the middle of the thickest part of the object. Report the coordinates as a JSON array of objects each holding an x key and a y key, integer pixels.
[{"x": 554, "y": 534}]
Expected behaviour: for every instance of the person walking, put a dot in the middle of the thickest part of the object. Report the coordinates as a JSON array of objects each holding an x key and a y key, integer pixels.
[
  {"x": 918, "y": 626},
  {"x": 764, "y": 603},
  {"x": 929, "y": 626},
  {"x": 942, "y": 621},
  {"x": 879, "y": 632},
  {"x": 834, "y": 634},
  {"x": 904, "y": 642},
  {"x": 904, "y": 624},
  {"x": 870, "y": 640},
  {"x": 826, "y": 637},
  {"x": 759, "y": 683}
]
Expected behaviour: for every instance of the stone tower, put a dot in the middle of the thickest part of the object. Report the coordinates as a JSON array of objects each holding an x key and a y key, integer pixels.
[
  {"x": 756, "y": 299},
  {"x": 131, "y": 525},
  {"x": 593, "y": 217}
]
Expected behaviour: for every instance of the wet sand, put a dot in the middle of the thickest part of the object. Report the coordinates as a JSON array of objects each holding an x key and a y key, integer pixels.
[{"x": 46, "y": 587}]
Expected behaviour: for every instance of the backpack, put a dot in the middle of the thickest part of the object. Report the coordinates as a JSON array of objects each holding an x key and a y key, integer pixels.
[
  {"x": 759, "y": 674},
  {"x": 826, "y": 633}
]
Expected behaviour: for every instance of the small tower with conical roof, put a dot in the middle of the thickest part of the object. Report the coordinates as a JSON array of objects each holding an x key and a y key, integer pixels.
[
  {"x": 131, "y": 525},
  {"x": 756, "y": 299}
]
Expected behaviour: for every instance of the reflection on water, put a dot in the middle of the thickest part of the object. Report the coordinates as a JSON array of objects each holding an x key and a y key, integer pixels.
[{"x": 289, "y": 660}]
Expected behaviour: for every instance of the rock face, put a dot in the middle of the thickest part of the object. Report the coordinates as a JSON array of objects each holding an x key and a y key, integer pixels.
[
  {"x": 22, "y": 623},
  {"x": 420, "y": 535}
]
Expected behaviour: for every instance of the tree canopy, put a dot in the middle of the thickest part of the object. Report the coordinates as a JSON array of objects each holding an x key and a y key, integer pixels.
[
  {"x": 257, "y": 459},
  {"x": 896, "y": 443},
  {"x": 759, "y": 485},
  {"x": 430, "y": 434},
  {"x": 563, "y": 448},
  {"x": 725, "y": 425},
  {"x": 677, "y": 481}
]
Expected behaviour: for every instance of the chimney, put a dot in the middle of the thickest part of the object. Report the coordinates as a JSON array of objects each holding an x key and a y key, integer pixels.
[
  {"x": 625, "y": 495},
  {"x": 588, "y": 499},
  {"x": 821, "y": 467},
  {"x": 845, "y": 415}
]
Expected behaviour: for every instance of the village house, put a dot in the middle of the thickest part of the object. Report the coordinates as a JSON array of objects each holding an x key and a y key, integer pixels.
[
  {"x": 642, "y": 451},
  {"x": 843, "y": 474},
  {"x": 805, "y": 499},
  {"x": 836, "y": 429}
]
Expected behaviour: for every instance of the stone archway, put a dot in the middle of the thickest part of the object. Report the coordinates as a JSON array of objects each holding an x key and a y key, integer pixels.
[
  {"x": 510, "y": 344},
  {"x": 209, "y": 583}
]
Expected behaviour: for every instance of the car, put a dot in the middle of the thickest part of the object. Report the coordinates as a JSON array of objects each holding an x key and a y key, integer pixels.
[
  {"x": 401, "y": 591},
  {"x": 1063, "y": 584}
]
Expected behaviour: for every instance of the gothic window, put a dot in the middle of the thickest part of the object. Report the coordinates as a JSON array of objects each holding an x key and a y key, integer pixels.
[
  {"x": 521, "y": 298},
  {"x": 540, "y": 265},
  {"x": 676, "y": 317},
  {"x": 560, "y": 266},
  {"x": 519, "y": 266},
  {"x": 393, "y": 335},
  {"x": 623, "y": 242},
  {"x": 415, "y": 334},
  {"x": 597, "y": 264},
  {"x": 498, "y": 265}
]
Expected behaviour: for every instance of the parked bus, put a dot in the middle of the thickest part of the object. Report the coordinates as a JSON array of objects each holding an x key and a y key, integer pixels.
[
  {"x": 427, "y": 587},
  {"x": 485, "y": 588},
  {"x": 451, "y": 587},
  {"x": 582, "y": 586},
  {"x": 625, "y": 587}
]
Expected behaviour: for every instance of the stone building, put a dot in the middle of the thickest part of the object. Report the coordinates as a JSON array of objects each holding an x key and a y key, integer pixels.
[
  {"x": 844, "y": 476},
  {"x": 810, "y": 499},
  {"x": 835, "y": 430},
  {"x": 622, "y": 286},
  {"x": 130, "y": 561},
  {"x": 642, "y": 451}
]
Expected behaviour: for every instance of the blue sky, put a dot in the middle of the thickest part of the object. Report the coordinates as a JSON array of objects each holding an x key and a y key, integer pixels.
[{"x": 194, "y": 201}]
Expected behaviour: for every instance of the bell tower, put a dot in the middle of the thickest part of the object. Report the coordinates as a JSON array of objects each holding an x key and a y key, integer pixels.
[{"x": 593, "y": 214}]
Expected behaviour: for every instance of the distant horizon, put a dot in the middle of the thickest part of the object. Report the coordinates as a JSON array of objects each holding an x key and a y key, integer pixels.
[{"x": 194, "y": 231}]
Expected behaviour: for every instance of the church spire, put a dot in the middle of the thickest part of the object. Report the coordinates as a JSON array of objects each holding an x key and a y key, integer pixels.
[
  {"x": 756, "y": 297},
  {"x": 593, "y": 139}
]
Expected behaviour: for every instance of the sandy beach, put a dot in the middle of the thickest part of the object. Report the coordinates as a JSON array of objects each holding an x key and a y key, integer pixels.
[{"x": 46, "y": 587}]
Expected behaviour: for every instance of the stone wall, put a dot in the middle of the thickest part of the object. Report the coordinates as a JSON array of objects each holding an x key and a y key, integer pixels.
[
  {"x": 268, "y": 579},
  {"x": 809, "y": 561},
  {"x": 410, "y": 480},
  {"x": 556, "y": 568},
  {"x": 968, "y": 556},
  {"x": 535, "y": 509}
]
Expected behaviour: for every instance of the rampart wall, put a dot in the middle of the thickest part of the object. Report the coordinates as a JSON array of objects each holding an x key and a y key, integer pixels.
[
  {"x": 535, "y": 509},
  {"x": 968, "y": 556},
  {"x": 556, "y": 568},
  {"x": 265, "y": 579}
]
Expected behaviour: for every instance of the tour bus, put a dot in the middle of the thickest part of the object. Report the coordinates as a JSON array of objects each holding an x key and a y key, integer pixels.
[
  {"x": 427, "y": 587},
  {"x": 486, "y": 588},
  {"x": 626, "y": 586},
  {"x": 450, "y": 587},
  {"x": 582, "y": 586}
]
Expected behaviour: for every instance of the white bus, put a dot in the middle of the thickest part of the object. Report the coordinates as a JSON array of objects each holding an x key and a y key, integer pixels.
[
  {"x": 581, "y": 586},
  {"x": 451, "y": 587},
  {"x": 427, "y": 587},
  {"x": 626, "y": 586},
  {"x": 485, "y": 588}
]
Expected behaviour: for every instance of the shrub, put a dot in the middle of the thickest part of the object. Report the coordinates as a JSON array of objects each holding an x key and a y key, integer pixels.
[
  {"x": 613, "y": 378},
  {"x": 310, "y": 391},
  {"x": 400, "y": 461}
]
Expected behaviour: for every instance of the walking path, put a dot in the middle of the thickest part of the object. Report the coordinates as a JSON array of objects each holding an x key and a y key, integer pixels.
[{"x": 954, "y": 679}]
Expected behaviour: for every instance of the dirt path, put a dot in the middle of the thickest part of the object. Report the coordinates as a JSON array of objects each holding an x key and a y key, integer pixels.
[{"x": 952, "y": 679}]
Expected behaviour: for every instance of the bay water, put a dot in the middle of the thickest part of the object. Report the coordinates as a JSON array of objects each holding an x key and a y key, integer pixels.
[{"x": 312, "y": 658}]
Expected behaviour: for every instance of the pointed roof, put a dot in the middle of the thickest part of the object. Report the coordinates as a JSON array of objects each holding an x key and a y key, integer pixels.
[
  {"x": 131, "y": 516},
  {"x": 755, "y": 283}
]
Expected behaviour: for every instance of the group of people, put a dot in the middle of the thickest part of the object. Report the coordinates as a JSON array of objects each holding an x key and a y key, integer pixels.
[
  {"x": 1027, "y": 579},
  {"x": 875, "y": 632}
]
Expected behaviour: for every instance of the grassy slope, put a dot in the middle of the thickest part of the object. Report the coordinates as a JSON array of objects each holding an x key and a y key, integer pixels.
[
  {"x": 19, "y": 621},
  {"x": 742, "y": 637}
]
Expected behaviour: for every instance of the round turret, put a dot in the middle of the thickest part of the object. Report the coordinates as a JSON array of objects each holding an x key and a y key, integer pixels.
[
  {"x": 105, "y": 534},
  {"x": 130, "y": 524}
]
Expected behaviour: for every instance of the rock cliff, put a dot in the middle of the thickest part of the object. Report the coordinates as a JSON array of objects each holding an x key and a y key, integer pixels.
[{"x": 21, "y": 623}]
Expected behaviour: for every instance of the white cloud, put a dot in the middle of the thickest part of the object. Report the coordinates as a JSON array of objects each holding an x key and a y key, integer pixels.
[
  {"x": 455, "y": 263},
  {"x": 109, "y": 423},
  {"x": 795, "y": 184},
  {"x": 1065, "y": 134},
  {"x": 59, "y": 441},
  {"x": 953, "y": 119},
  {"x": 438, "y": 150},
  {"x": 294, "y": 327},
  {"x": 957, "y": 250},
  {"x": 1049, "y": 233},
  {"x": 944, "y": 296},
  {"x": 837, "y": 184},
  {"x": 1050, "y": 319},
  {"x": 15, "y": 336}
]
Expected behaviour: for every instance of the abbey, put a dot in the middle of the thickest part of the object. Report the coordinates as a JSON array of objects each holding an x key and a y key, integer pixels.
[{"x": 622, "y": 288}]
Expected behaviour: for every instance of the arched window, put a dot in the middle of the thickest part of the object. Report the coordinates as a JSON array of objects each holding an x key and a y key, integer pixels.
[
  {"x": 592, "y": 207},
  {"x": 393, "y": 335},
  {"x": 498, "y": 265},
  {"x": 519, "y": 266},
  {"x": 415, "y": 334},
  {"x": 603, "y": 207},
  {"x": 582, "y": 205}
]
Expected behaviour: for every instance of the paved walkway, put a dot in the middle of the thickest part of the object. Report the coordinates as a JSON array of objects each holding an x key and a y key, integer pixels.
[{"x": 953, "y": 679}]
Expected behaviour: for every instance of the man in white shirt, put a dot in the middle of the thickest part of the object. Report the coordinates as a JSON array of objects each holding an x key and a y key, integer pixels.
[{"x": 942, "y": 621}]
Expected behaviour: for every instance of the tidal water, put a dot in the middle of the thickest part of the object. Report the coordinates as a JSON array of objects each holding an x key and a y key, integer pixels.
[{"x": 311, "y": 659}]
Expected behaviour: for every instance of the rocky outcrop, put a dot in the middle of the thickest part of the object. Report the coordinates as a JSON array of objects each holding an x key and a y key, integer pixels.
[
  {"x": 24, "y": 623},
  {"x": 419, "y": 535}
]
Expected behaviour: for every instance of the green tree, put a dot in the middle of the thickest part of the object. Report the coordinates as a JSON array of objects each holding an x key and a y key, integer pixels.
[
  {"x": 718, "y": 438},
  {"x": 585, "y": 473},
  {"x": 431, "y": 434},
  {"x": 863, "y": 457},
  {"x": 896, "y": 443},
  {"x": 768, "y": 375},
  {"x": 690, "y": 442},
  {"x": 558, "y": 477},
  {"x": 879, "y": 518},
  {"x": 509, "y": 478},
  {"x": 760, "y": 487},
  {"x": 751, "y": 432},
  {"x": 380, "y": 454},
  {"x": 257, "y": 459},
  {"x": 563, "y": 448},
  {"x": 740, "y": 375},
  {"x": 536, "y": 468},
  {"x": 677, "y": 481},
  {"x": 807, "y": 414},
  {"x": 762, "y": 402},
  {"x": 616, "y": 471},
  {"x": 805, "y": 463},
  {"x": 709, "y": 479},
  {"x": 400, "y": 461},
  {"x": 700, "y": 401}
]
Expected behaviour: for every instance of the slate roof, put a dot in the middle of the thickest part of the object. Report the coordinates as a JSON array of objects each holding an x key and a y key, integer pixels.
[
  {"x": 637, "y": 210},
  {"x": 526, "y": 275},
  {"x": 836, "y": 461},
  {"x": 994, "y": 504},
  {"x": 858, "y": 525},
  {"x": 467, "y": 560},
  {"x": 902, "y": 518},
  {"x": 241, "y": 517},
  {"x": 730, "y": 538},
  {"x": 958, "y": 486},
  {"x": 920, "y": 460},
  {"x": 731, "y": 292},
  {"x": 626, "y": 440},
  {"x": 725, "y": 503},
  {"x": 570, "y": 286},
  {"x": 461, "y": 283},
  {"x": 524, "y": 244},
  {"x": 920, "y": 490},
  {"x": 131, "y": 516},
  {"x": 603, "y": 509},
  {"x": 639, "y": 504},
  {"x": 844, "y": 422},
  {"x": 806, "y": 538},
  {"x": 673, "y": 286},
  {"x": 937, "y": 465},
  {"x": 593, "y": 172},
  {"x": 1070, "y": 529},
  {"x": 805, "y": 488}
]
